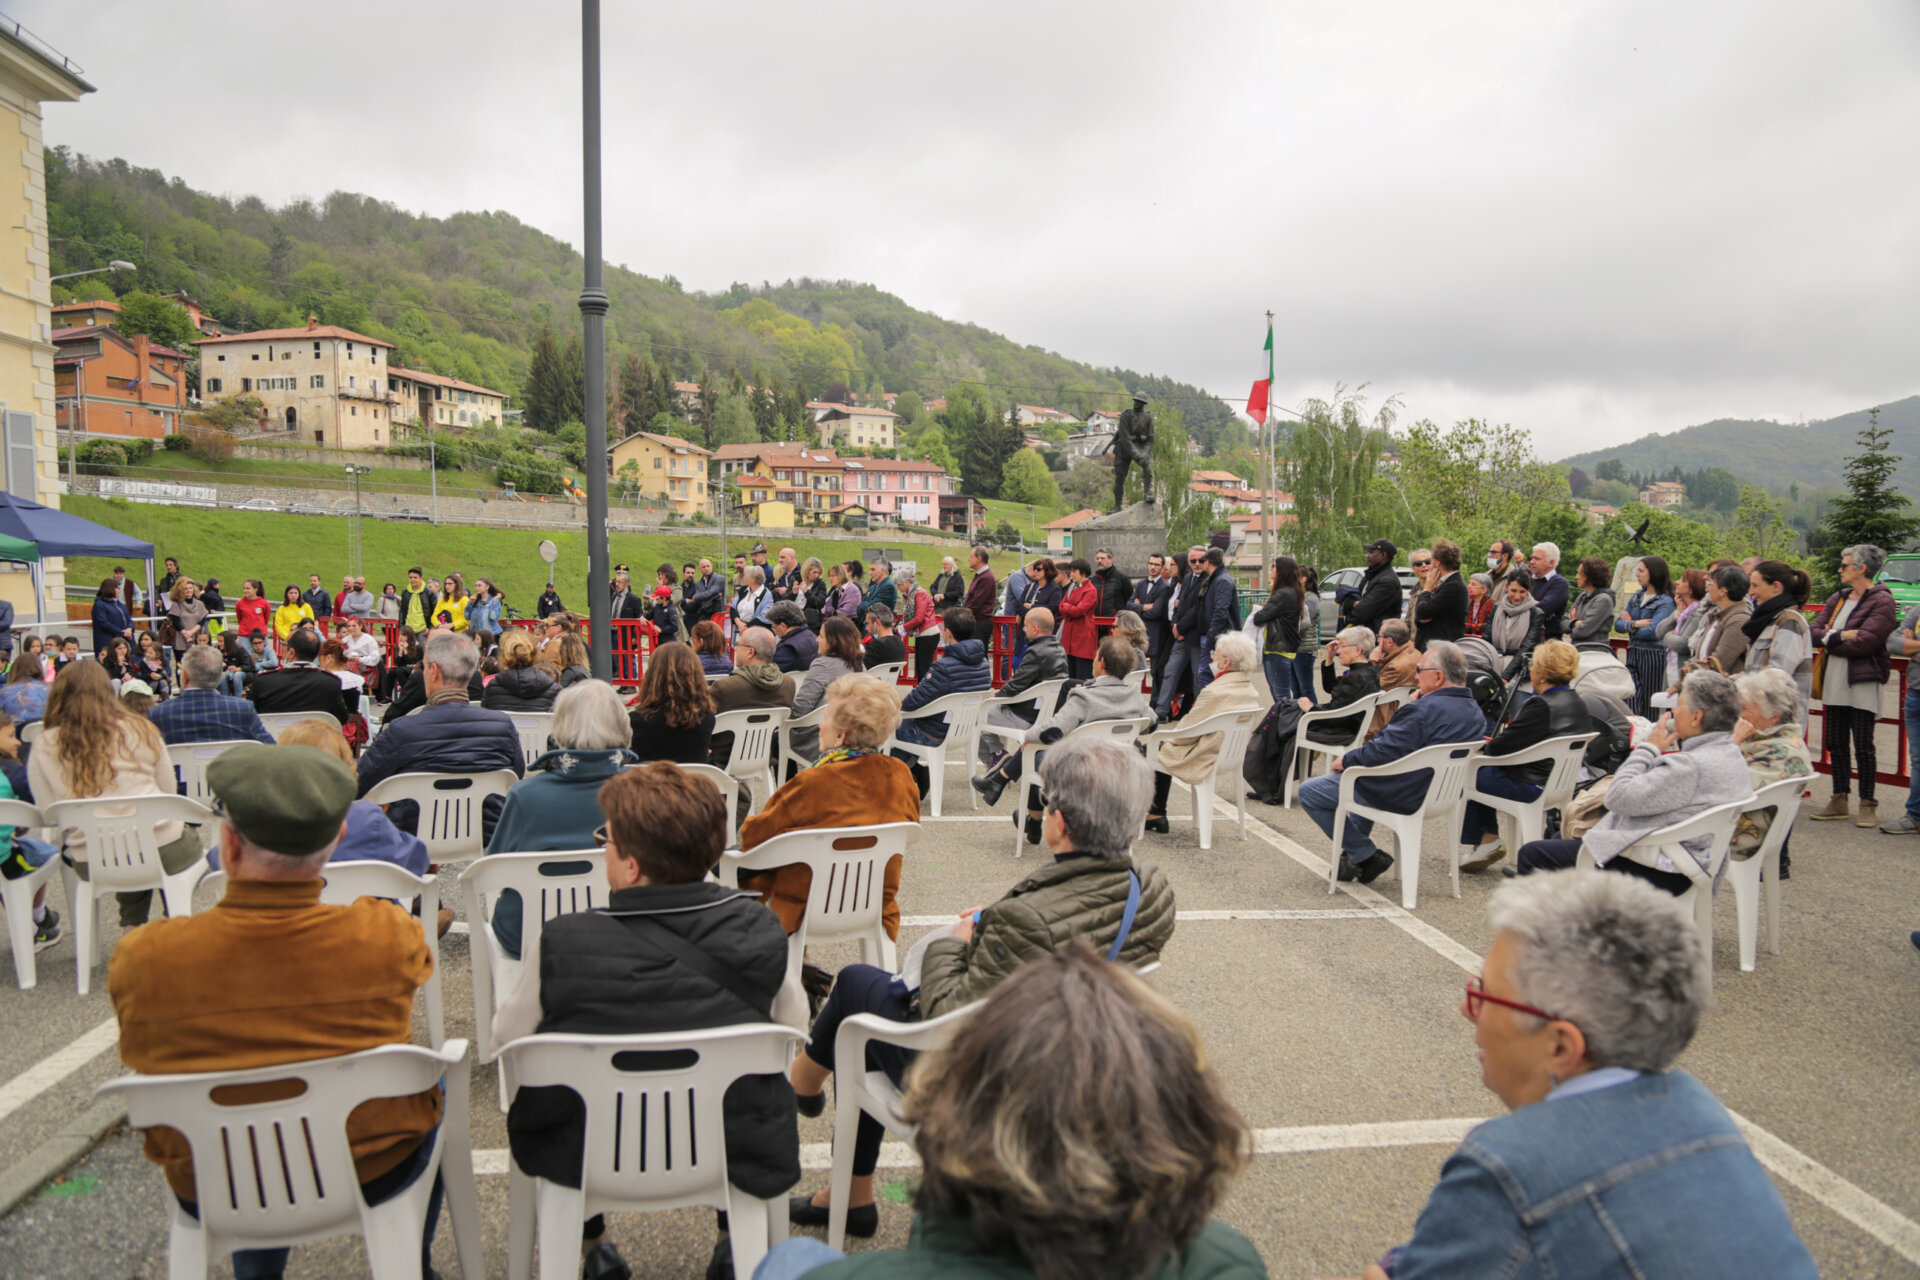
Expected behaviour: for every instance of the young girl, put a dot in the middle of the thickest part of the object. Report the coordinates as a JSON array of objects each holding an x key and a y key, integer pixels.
[
  {"x": 137, "y": 696},
  {"x": 291, "y": 613},
  {"x": 19, "y": 854},
  {"x": 117, "y": 657},
  {"x": 252, "y": 609},
  {"x": 37, "y": 648}
]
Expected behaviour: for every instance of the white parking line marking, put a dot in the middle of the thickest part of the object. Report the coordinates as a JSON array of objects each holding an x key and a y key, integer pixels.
[
  {"x": 1329, "y": 913},
  {"x": 57, "y": 1066}
]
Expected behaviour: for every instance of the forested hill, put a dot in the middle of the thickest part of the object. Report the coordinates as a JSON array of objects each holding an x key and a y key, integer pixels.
[
  {"x": 467, "y": 296},
  {"x": 1772, "y": 453}
]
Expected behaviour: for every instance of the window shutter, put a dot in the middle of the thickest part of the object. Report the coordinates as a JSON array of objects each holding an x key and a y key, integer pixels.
[{"x": 20, "y": 479}]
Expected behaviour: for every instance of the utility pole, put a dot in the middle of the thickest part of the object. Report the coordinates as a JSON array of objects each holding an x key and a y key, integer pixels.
[
  {"x": 593, "y": 313},
  {"x": 433, "y": 481},
  {"x": 353, "y": 517},
  {"x": 1266, "y": 455}
]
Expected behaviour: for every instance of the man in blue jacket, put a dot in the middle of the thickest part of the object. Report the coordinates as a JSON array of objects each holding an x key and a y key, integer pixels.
[
  {"x": 1187, "y": 612},
  {"x": 961, "y": 668},
  {"x": 1442, "y": 711},
  {"x": 702, "y": 597},
  {"x": 1549, "y": 589},
  {"x": 1222, "y": 615}
]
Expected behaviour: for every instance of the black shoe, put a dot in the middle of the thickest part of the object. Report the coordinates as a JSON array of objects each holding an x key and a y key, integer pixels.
[
  {"x": 1345, "y": 871},
  {"x": 989, "y": 785},
  {"x": 811, "y": 1104},
  {"x": 1257, "y": 798},
  {"x": 1033, "y": 830},
  {"x": 720, "y": 1265},
  {"x": 862, "y": 1220},
  {"x": 605, "y": 1263},
  {"x": 1158, "y": 824},
  {"x": 1373, "y": 868},
  {"x": 1786, "y": 866}
]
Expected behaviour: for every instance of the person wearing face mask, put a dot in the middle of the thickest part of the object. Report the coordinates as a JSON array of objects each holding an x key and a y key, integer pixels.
[{"x": 1504, "y": 565}]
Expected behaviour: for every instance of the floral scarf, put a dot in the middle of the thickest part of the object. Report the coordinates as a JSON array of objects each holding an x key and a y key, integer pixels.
[{"x": 840, "y": 754}]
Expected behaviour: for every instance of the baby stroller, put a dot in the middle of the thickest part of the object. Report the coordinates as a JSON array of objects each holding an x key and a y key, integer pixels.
[
  {"x": 1602, "y": 671},
  {"x": 1484, "y": 665}
]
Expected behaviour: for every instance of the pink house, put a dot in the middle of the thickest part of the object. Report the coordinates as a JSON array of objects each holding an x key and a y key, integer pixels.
[{"x": 896, "y": 491}]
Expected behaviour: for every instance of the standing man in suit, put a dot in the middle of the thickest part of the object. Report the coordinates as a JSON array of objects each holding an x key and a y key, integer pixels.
[
  {"x": 983, "y": 593},
  {"x": 703, "y": 596},
  {"x": 1222, "y": 615},
  {"x": 1549, "y": 589},
  {"x": 1187, "y": 609},
  {"x": 1149, "y": 600}
]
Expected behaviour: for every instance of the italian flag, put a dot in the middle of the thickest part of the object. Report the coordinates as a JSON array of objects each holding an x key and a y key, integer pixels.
[{"x": 1257, "y": 399}]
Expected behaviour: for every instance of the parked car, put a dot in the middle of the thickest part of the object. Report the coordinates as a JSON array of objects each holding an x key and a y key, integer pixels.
[
  {"x": 1902, "y": 577},
  {"x": 1330, "y": 588},
  {"x": 257, "y": 504},
  {"x": 412, "y": 513},
  {"x": 307, "y": 509}
]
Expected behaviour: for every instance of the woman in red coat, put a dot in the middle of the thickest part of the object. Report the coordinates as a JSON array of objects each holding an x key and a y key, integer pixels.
[{"x": 1077, "y": 635}]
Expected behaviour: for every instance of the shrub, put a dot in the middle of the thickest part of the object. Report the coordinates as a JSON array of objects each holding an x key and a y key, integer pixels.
[
  {"x": 234, "y": 411},
  {"x": 210, "y": 444},
  {"x": 175, "y": 443},
  {"x": 103, "y": 457},
  {"x": 527, "y": 473}
]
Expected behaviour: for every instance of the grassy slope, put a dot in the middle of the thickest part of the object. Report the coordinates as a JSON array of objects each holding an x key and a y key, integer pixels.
[
  {"x": 279, "y": 549},
  {"x": 182, "y": 468}
]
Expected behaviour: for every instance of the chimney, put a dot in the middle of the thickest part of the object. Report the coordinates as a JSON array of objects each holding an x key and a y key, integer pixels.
[{"x": 313, "y": 322}]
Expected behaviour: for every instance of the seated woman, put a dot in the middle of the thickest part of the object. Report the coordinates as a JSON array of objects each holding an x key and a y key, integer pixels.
[
  {"x": 840, "y": 655},
  {"x": 672, "y": 719},
  {"x": 1555, "y": 711},
  {"x": 629, "y": 969},
  {"x": 853, "y": 784},
  {"x": 711, "y": 644},
  {"x": 520, "y": 686},
  {"x": 556, "y": 806},
  {"x": 406, "y": 656},
  {"x": 1096, "y": 795},
  {"x": 1006, "y": 1113},
  {"x": 573, "y": 663},
  {"x": 24, "y": 696},
  {"x": 1658, "y": 787},
  {"x": 1192, "y": 760},
  {"x": 1774, "y": 746},
  {"x": 1352, "y": 648},
  {"x": 1593, "y": 986},
  {"x": 1515, "y": 626},
  {"x": 1112, "y": 694}
]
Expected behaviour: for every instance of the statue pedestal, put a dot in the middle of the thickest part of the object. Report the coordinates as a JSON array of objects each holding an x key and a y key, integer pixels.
[{"x": 1131, "y": 534}]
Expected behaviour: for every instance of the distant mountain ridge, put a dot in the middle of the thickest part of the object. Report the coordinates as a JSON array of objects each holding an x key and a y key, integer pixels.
[{"x": 1775, "y": 454}]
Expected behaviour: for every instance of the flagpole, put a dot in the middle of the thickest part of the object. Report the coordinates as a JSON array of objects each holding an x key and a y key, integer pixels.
[{"x": 1266, "y": 453}]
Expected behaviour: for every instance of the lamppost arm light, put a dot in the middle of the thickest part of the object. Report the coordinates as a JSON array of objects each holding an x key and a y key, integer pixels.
[{"x": 116, "y": 265}]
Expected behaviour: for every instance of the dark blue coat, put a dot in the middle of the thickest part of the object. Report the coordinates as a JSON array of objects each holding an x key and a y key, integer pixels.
[
  {"x": 110, "y": 620},
  {"x": 797, "y": 650},
  {"x": 1149, "y": 600},
  {"x": 1192, "y": 609},
  {"x": 962, "y": 668},
  {"x": 454, "y": 737},
  {"x": 1445, "y": 715},
  {"x": 1223, "y": 605},
  {"x": 1551, "y": 595}
]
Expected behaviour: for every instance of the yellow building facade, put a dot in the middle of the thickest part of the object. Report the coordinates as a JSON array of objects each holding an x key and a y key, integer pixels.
[
  {"x": 665, "y": 467},
  {"x": 322, "y": 384}
]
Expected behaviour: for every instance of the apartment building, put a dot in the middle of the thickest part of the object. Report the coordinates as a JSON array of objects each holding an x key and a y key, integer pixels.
[
  {"x": 442, "y": 402},
  {"x": 898, "y": 491},
  {"x": 665, "y": 467},
  {"x": 853, "y": 426},
  {"x": 107, "y": 384},
  {"x": 321, "y": 384}
]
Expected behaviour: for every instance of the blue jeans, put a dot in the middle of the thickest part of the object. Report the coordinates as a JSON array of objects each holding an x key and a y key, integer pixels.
[
  {"x": 1280, "y": 676},
  {"x": 1202, "y": 662},
  {"x": 1303, "y": 678},
  {"x": 1479, "y": 818},
  {"x": 793, "y": 1258},
  {"x": 1183, "y": 657},
  {"x": 1320, "y": 797},
  {"x": 1913, "y": 751},
  {"x": 233, "y": 683}
]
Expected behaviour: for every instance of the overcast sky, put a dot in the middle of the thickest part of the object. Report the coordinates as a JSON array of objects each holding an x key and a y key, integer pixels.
[{"x": 1594, "y": 220}]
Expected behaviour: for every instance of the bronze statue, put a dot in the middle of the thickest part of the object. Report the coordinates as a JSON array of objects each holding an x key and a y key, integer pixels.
[{"x": 1133, "y": 443}]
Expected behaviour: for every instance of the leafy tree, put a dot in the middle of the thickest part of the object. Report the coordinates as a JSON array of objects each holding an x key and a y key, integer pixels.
[
  {"x": 1684, "y": 543},
  {"x": 1611, "y": 493},
  {"x": 162, "y": 319},
  {"x": 1714, "y": 487},
  {"x": 1088, "y": 484},
  {"x": 1610, "y": 469},
  {"x": 234, "y": 411},
  {"x": 1025, "y": 478},
  {"x": 1564, "y": 527},
  {"x": 1004, "y": 534},
  {"x": 1872, "y": 511},
  {"x": 1578, "y": 481},
  {"x": 1760, "y": 527},
  {"x": 1329, "y": 464},
  {"x": 1475, "y": 481},
  {"x": 733, "y": 420},
  {"x": 527, "y": 472},
  {"x": 572, "y": 438}
]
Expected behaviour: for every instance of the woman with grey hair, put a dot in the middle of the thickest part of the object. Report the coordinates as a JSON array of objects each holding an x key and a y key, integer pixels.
[
  {"x": 1274, "y": 742},
  {"x": 1658, "y": 786},
  {"x": 1592, "y": 988},
  {"x": 1193, "y": 759},
  {"x": 1850, "y": 676},
  {"x": 1095, "y": 796},
  {"x": 918, "y": 619},
  {"x": 1770, "y": 737},
  {"x": 556, "y": 806}
]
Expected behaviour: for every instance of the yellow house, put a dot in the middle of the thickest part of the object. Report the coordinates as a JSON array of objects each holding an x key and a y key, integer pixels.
[
  {"x": 31, "y": 73},
  {"x": 665, "y": 467}
]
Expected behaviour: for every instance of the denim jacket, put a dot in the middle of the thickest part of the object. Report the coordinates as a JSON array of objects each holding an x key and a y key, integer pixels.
[
  {"x": 1645, "y": 612},
  {"x": 1646, "y": 1178}
]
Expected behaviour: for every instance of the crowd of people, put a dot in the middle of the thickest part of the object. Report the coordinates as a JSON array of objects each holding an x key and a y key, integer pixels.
[{"x": 1072, "y": 1128}]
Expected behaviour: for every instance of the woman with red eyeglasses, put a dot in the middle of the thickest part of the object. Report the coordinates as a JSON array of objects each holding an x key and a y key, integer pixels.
[{"x": 1610, "y": 1162}]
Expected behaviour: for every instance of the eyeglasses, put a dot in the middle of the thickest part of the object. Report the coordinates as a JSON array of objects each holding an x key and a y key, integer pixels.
[
  {"x": 1477, "y": 996},
  {"x": 1427, "y": 671},
  {"x": 1421, "y": 564},
  {"x": 601, "y": 837}
]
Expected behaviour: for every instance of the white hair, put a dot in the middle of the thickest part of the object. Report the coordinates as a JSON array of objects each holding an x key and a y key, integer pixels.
[
  {"x": 1360, "y": 638},
  {"x": 1772, "y": 691},
  {"x": 1237, "y": 650},
  {"x": 1101, "y": 789},
  {"x": 1550, "y": 550},
  {"x": 590, "y": 716},
  {"x": 453, "y": 656}
]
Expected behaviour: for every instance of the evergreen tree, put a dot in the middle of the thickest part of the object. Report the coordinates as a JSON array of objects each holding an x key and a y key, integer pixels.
[
  {"x": 705, "y": 401},
  {"x": 1872, "y": 511},
  {"x": 541, "y": 397},
  {"x": 633, "y": 394},
  {"x": 571, "y": 390},
  {"x": 990, "y": 442},
  {"x": 766, "y": 407}
]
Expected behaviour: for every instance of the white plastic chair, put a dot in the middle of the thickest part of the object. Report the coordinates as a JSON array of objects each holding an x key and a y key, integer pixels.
[
  {"x": 17, "y": 895},
  {"x": 1452, "y": 764},
  {"x": 190, "y": 761},
  {"x": 1128, "y": 730},
  {"x": 1235, "y": 728},
  {"x": 857, "y": 1090},
  {"x": 549, "y": 885},
  {"x": 729, "y": 787},
  {"x": 655, "y": 1137},
  {"x": 1293, "y": 772},
  {"x": 1528, "y": 818},
  {"x": 846, "y": 897},
  {"x": 277, "y": 721},
  {"x": 887, "y": 672},
  {"x": 31, "y": 731},
  {"x": 1045, "y": 695},
  {"x": 790, "y": 762},
  {"x": 344, "y": 883},
  {"x": 963, "y": 712},
  {"x": 755, "y": 730},
  {"x": 1659, "y": 850},
  {"x": 122, "y": 857},
  {"x": 534, "y": 728},
  {"x": 286, "y": 1166},
  {"x": 1750, "y": 877},
  {"x": 452, "y": 808}
]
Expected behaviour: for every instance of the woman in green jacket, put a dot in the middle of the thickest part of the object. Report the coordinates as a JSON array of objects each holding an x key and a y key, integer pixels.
[{"x": 1025, "y": 1133}]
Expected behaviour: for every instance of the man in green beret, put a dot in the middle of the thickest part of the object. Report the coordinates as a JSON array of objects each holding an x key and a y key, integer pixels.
[{"x": 271, "y": 975}]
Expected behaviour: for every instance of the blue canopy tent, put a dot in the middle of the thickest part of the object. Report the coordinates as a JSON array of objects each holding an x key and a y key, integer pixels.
[{"x": 58, "y": 533}]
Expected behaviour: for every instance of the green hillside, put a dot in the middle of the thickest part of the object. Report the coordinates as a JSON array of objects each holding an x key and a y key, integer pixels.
[
  {"x": 468, "y": 296},
  {"x": 1772, "y": 453}
]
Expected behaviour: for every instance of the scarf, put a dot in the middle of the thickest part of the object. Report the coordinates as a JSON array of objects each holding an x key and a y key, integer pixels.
[
  {"x": 840, "y": 754},
  {"x": 1764, "y": 615},
  {"x": 1508, "y": 627}
]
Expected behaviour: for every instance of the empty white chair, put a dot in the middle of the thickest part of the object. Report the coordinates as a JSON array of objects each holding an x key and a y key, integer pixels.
[
  {"x": 755, "y": 731},
  {"x": 729, "y": 787},
  {"x": 1750, "y": 877},
  {"x": 1658, "y": 849},
  {"x": 534, "y": 727},
  {"x": 1237, "y": 728},
  {"x": 790, "y": 763},
  {"x": 1298, "y": 766},
  {"x": 1118, "y": 730},
  {"x": 888, "y": 672},
  {"x": 452, "y": 808},
  {"x": 278, "y": 721},
  {"x": 963, "y": 712},
  {"x": 285, "y": 1168},
  {"x": 344, "y": 883},
  {"x": 17, "y": 895},
  {"x": 1528, "y": 818},
  {"x": 845, "y": 899},
  {"x": 857, "y": 1090},
  {"x": 1452, "y": 764},
  {"x": 31, "y": 731},
  {"x": 549, "y": 885},
  {"x": 1045, "y": 695},
  {"x": 654, "y": 1137},
  {"x": 190, "y": 761},
  {"x": 122, "y": 857}
]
